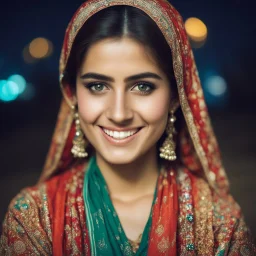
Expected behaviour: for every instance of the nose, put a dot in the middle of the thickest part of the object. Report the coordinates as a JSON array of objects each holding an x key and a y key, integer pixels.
[{"x": 119, "y": 110}]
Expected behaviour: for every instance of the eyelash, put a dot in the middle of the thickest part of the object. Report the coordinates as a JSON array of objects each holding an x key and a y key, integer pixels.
[{"x": 150, "y": 85}]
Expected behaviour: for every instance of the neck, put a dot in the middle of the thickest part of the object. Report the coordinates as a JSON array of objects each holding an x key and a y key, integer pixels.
[{"x": 132, "y": 180}]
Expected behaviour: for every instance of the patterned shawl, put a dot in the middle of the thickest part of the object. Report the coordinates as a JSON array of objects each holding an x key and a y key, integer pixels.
[{"x": 194, "y": 213}]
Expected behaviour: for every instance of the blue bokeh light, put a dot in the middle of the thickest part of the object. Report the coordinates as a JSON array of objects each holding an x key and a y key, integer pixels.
[
  {"x": 29, "y": 92},
  {"x": 9, "y": 90},
  {"x": 20, "y": 81},
  {"x": 216, "y": 85},
  {"x": 215, "y": 90}
]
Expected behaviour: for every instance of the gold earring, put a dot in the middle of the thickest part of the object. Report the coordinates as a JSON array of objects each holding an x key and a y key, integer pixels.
[
  {"x": 168, "y": 148},
  {"x": 78, "y": 149}
]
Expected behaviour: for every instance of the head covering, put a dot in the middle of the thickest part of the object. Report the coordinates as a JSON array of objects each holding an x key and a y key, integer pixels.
[{"x": 199, "y": 149}]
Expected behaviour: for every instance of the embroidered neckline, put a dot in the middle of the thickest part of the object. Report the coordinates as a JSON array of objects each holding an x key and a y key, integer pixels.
[{"x": 135, "y": 244}]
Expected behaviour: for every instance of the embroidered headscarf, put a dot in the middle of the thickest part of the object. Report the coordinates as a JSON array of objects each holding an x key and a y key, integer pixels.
[{"x": 199, "y": 149}]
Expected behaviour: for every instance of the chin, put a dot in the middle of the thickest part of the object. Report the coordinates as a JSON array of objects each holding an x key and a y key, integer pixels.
[
  {"x": 122, "y": 156},
  {"x": 118, "y": 159}
]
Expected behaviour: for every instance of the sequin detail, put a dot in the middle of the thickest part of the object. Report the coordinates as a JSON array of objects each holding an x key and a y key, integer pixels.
[
  {"x": 190, "y": 247},
  {"x": 186, "y": 228}
]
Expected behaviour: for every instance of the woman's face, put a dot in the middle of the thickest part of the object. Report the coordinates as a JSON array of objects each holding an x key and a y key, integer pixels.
[{"x": 120, "y": 87}]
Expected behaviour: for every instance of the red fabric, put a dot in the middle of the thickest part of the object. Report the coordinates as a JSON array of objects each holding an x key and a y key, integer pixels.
[
  {"x": 164, "y": 218},
  {"x": 61, "y": 200},
  {"x": 57, "y": 199}
]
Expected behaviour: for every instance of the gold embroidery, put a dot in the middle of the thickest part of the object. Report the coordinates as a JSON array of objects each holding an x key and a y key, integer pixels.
[
  {"x": 163, "y": 245},
  {"x": 185, "y": 225},
  {"x": 19, "y": 247},
  {"x": 102, "y": 244},
  {"x": 25, "y": 229},
  {"x": 204, "y": 237},
  {"x": 135, "y": 244},
  {"x": 46, "y": 221},
  {"x": 160, "y": 230}
]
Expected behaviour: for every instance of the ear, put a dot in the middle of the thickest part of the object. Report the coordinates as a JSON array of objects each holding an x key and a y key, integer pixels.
[
  {"x": 74, "y": 98},
  {"x": 74, "y": 94},
  {"x": 174, "y": 105}
]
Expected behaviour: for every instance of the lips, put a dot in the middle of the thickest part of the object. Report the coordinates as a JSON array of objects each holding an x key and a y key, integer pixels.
[
  {"x": 123, "y": 141},
  {"x": 120, "y": 129},
  {"x": 119, "y": 135}
]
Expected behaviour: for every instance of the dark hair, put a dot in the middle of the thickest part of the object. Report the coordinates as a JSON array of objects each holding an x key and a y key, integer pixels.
[{"x": 117, "y": 22}]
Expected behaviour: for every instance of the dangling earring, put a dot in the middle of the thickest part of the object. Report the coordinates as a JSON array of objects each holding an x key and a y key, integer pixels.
[
  {"x": 168, "y": 148},
  {"x": 78, "y": 149}
]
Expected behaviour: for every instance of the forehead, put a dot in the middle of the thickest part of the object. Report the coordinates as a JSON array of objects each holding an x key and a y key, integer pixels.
[{"x": 116, "y": 52}]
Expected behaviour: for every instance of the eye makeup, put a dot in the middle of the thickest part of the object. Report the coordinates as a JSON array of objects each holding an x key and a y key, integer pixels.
[{"x": 98, "y": 87}]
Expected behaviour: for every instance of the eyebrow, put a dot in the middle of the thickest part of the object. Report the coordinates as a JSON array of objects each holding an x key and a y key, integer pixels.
[{"x": 128, "y": 79}]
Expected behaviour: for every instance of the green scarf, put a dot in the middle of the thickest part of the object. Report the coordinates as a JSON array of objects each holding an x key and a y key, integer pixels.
[{"x": 107, "y": 236}]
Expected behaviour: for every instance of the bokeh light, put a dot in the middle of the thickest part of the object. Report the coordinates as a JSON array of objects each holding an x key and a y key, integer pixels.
[
  {"x": 20, "y": 81},
  {"x": 215, "y": 90},
  {"x": 16, "y": 86},
  {"x": 50, "y": 49},
  {"x": 9, "y": 90},
  {"x": 216, "y": 85},
  {"x": 29, "y": 92},
  {"x": 197, "y": 31},
  {"x": 40, "y": 48},
  {"x": 27, "y": 56}
]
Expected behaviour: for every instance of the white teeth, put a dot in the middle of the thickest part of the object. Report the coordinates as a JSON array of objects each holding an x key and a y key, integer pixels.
[
  {"x": 119, "y": 135},
  {"x": 116, "y": 135}
]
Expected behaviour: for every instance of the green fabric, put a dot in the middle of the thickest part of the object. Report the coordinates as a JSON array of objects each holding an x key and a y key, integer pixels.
[{"x": 107, "y": 236}]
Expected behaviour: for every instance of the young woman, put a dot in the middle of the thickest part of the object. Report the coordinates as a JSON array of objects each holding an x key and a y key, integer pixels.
[{"x": 134, "y": 167}]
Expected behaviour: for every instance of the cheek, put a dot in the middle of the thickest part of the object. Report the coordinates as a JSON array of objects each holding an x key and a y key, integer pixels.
[
  {"x": 155, "y": 108},
  {"x": 88, "y": 105}
]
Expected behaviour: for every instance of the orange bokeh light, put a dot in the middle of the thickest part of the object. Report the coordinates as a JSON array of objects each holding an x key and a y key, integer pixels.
[
  {"x": 40, "y": 48},
  {"x": 196, "y": 29}
]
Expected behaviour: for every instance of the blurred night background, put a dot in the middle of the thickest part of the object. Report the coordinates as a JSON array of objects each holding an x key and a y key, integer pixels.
[{"x": 29, "y": 100}]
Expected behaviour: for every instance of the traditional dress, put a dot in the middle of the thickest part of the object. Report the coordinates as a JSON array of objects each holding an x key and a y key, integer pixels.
[{"x": 69, "y": 211}]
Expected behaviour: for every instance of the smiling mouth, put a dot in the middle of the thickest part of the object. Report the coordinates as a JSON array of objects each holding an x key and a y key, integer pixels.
[{"x": 122, "y": 135}]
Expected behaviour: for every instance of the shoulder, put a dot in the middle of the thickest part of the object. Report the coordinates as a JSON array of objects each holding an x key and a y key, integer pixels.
[
  {"x": 219, "y": 223},
  {"x": 28, "y": 225},
  {"x": 65, "y": 182},
  {"x": 26, "y": 228},
  {"x": 231, "y": 233}
]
